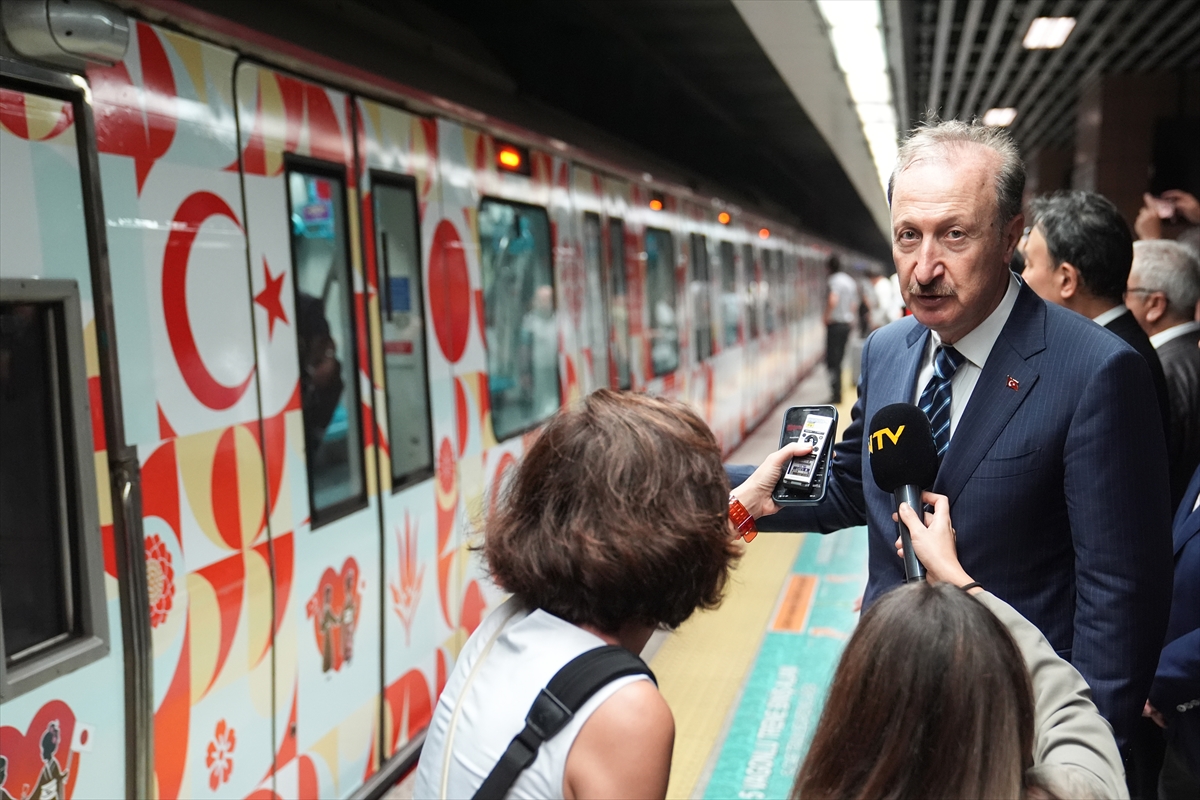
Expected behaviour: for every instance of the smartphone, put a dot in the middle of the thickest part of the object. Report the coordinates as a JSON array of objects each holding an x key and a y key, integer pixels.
[
  {"x": 1165, "y": 208},
  {"x": 803, "y": 480}
]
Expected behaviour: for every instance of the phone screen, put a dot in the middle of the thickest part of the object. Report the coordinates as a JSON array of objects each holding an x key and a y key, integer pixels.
[{"x": 803, "y": 480}]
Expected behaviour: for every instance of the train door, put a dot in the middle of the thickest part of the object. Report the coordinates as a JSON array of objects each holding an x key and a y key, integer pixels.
[
  {"x": 588, "y": 204},
  {"x": 495, "y": 304},
  {"x": 419, "y": 312},
  {"x": 62, "y": 663},
  {"x": 621, "y": 252},
  {"x": 300, "y": 185},
  {"x": 727, "y": 365}
]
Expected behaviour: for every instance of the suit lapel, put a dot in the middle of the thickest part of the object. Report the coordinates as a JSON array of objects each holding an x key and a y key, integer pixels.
[
  {"x": 994, "y": 400},
  {"x": 1187, "y": 522},
  {"x": 896, "y": 382}
]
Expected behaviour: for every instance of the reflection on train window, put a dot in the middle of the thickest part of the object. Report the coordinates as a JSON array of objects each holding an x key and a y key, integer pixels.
[
  {"x": 701, "y": 298},
  {"x": 750, "y": 274},
  {"x": 398, "y": 246},
  {"x": 595, "y": 331},
  {"x": 325, "y": 341},
  {"x": 660, "y": 300},
  {"x": 37, "y": 588},
  {"x": 770, "y": 285},
  {"x": 731, "y": 303},
  {"x": 618, "y": 303},
  {"x": 519, "y": 315}
]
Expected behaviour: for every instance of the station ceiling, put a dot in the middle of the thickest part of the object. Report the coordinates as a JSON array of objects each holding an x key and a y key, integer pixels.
[
  {"x": 963, "y": 57},
  {"x": 679, "y": 83}
]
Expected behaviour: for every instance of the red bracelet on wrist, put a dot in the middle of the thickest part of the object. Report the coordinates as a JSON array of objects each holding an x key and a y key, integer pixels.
[{"x": 742, "y": 520}]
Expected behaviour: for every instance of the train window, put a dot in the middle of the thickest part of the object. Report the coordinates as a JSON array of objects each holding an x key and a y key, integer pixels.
[
  {"x": 519, "y": 315},
  {"x": 326, "y": 346},
  {"x": 730, "y": 302},
  {"x": 660, "y": 299},
  {"x": 398, "y": 246},
  {"x": 618, "y": 304},
  {"x": 751, "y": 276},
  {"x": 701, "y": 298},
  {"x": 596, "y": 328},
  {"x": 53, "y": 615}
]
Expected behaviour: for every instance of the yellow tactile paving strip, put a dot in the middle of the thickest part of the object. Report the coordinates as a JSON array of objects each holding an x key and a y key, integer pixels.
[{"x": 701, "y": 668}]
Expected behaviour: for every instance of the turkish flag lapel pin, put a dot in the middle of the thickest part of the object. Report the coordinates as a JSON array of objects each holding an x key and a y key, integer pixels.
[{"x": 1013, "y": 383}]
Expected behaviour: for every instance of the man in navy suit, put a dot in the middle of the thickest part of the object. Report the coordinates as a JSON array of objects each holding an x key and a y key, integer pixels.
[
  {"x": 1175, "y": 695},
  {"x": 1054, "y": 459},
  {"x": 1078, "y": 256}
]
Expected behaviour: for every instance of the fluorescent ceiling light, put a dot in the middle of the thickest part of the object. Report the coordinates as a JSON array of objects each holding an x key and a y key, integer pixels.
[
  {"x": 856, "y": 33},
  {"x": 1048, "y": 33},
  {"x": 999, "y": 117}
]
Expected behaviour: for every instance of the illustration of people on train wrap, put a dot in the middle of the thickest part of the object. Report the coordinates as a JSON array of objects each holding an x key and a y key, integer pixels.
[
  {"x": 349, "y": 609},
  {"x": 52, "y": 779},
  {"x": 329, "y": 623},
  {"x": 4, "y": 795}
]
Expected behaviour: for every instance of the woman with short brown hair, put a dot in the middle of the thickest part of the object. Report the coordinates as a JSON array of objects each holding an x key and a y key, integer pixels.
[{"x": 615, "y": 524}]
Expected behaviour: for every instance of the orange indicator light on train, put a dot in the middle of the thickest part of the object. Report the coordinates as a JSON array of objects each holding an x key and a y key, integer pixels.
[
  {"x": 763, "y": 233},
  {"x": 723, "y": 218},
  {"x": 509, "y": 157},
  {"x": 656, "y": 204}
]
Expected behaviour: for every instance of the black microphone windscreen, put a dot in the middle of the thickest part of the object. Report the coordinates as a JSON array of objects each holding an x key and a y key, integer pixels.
[{"x": 902, "y": 449}]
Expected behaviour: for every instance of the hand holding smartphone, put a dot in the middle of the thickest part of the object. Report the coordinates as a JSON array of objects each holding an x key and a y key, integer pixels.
[{"x": 803, "y": 480}]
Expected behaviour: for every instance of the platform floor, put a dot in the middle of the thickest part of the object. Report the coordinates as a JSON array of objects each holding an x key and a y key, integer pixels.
[{"x": 746, "y": 682}]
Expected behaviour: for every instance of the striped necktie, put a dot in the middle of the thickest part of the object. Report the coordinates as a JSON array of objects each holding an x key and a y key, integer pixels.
[{"x": 935, "y": 400}]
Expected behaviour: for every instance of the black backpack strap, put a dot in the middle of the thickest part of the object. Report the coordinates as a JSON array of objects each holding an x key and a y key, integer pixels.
[{"x": 568, "y": 690}]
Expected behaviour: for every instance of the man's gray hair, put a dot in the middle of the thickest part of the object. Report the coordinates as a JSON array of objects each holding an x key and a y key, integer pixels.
[
  {"x": 1166, "y": 266},
  {"x": 934, "y": 135}
]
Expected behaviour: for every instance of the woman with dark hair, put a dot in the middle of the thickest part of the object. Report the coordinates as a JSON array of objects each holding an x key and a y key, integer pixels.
[
  {"x": 946, "y": 693},
  {"x": 615, "y": 525}
]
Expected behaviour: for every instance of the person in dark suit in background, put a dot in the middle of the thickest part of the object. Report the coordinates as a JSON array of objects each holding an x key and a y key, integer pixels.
[
  {"x": 1175, "y": 695},
  {"x": 1078, "y": 256},
  {"x": 1162, "y": 292},
  {"x": 1053, "y": 455}
]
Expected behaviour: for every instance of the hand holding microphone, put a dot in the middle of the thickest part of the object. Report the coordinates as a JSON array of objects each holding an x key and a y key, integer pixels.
[
  {"x": 904, "y": 461},
  {"x": 933, "y": 540}
]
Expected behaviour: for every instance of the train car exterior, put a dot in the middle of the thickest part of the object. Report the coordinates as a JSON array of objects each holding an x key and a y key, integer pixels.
[{"x": 269, "y": 349}]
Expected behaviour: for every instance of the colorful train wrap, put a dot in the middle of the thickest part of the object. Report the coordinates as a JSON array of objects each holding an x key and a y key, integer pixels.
[{"x": 273, "y": 345}]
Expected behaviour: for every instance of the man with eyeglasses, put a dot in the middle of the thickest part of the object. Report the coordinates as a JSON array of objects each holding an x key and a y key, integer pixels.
[{"x": 1162, "y": 292}]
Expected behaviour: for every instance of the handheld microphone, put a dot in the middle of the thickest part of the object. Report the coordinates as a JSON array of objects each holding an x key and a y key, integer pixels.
[{"x": 904, "y": 461}]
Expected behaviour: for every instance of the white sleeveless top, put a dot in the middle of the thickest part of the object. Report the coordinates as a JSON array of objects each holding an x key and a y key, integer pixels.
[{"x": 513, "y": 655}]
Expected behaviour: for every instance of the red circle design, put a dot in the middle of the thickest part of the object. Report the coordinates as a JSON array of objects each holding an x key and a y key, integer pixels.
[
  {"x": 449, "y": 291},
  {"x": 191, "y": 215}
]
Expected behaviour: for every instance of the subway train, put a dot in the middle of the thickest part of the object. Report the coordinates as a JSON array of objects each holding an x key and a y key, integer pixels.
[{"x": 235, "y": 565}]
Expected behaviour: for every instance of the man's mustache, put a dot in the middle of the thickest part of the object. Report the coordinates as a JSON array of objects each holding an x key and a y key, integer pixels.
[{"x": 938, "y": 289}]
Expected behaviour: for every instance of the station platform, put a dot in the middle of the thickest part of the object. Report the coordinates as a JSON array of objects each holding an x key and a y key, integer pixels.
[{"x": 746, "y": 682}]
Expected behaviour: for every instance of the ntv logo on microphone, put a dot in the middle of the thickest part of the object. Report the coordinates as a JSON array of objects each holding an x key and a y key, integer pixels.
[{"x": 877, "y": 438}]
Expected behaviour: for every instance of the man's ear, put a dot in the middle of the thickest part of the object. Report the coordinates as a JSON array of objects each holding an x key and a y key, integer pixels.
[
  {"x": 1156, "y": 306},
  {"x": 1012, "y": 235},
  {"x": 1069, "y": 282}
]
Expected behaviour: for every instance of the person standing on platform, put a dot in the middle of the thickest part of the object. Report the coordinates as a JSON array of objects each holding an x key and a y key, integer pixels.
[
  {"x": 841, "y": 311},
  {"x": 1163, "y": 290},
  {"x": 1078, "y": 256},
  {"x": 1052, "y": 450}
]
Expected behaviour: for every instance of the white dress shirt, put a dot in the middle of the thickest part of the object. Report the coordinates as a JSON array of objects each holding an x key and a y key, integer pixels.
[
  {"x": 1162, "y": 337},
  {"x": 975, "y": 347},
  {"x": 1108, "y": 316}
]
